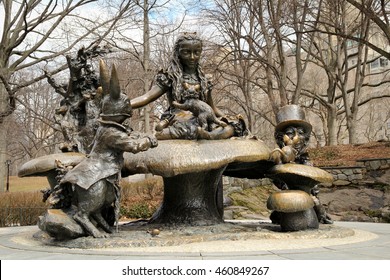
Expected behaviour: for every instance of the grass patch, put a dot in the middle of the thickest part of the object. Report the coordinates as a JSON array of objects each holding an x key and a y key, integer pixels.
[{"x": 27, "y": 184}]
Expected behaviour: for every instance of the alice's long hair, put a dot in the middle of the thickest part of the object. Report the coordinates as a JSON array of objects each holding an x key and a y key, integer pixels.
[{"x": 175, "y": 69}]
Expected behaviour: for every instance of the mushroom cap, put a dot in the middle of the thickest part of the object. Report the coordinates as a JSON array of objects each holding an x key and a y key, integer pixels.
[
  {"x": 41, "y": 166},
  {"x": 175, "y": 157},
  {"x": 155, "y": 232},
  {"x": 290, "y": 201},
  {"x": 296, "y": 175}
]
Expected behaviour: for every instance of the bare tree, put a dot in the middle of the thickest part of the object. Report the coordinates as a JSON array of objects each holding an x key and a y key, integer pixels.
[
  {"x": 153, "y": 23},
  {"x": 378, "y": 11},
  {"x": 231, "y": 63},
  {"x": 375, "y": 116},
  {"x": 33, "y": 132},
  {"x": 345, "y": 63},
  {"x": 32, "y": 35},
  {"x": 266, "y": 48},
  {"x": 351, "y": 96},
  {"x": 257, "y": 40}
]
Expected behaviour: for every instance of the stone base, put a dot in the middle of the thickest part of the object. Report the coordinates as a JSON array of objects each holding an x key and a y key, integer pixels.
[{"x": 139, "y": 235}]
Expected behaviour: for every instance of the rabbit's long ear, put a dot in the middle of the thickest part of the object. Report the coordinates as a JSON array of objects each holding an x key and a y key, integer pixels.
[
  {"x": 104, "y": 77},
  {"x": 115, "y": 89}
]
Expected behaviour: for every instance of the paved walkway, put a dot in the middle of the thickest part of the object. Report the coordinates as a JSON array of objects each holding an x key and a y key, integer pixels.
[{"x": 371, "y": 241}]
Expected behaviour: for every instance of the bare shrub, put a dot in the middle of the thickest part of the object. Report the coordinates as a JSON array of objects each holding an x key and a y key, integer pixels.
[
  {"x": 21, "y": 208},
  {"x": 140, "y": 199}
]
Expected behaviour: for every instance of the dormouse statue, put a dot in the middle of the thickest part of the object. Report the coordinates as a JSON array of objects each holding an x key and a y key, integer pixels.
[{"x": 92, "y": 186}]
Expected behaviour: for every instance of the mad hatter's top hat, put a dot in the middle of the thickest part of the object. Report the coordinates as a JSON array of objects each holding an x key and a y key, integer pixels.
[{"x": 291, "y": 115}]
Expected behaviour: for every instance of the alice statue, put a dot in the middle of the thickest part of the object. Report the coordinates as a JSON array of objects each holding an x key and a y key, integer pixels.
[{"x": 191, "y": 113}]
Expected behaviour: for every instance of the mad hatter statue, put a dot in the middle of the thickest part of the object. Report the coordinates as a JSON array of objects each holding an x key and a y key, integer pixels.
[{"x": 292, "y": 134}]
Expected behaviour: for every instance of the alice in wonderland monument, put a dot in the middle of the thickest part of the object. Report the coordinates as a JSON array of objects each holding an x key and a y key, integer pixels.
[{"x": 197, "y": 145}]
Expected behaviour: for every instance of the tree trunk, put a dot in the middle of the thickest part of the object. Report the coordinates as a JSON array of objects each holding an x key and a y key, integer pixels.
[
  {"x": 332, "y": 126},
  {"x": 3, "y": 157},
  {"x": 352, "y": 132},
  {"x": 3, "y": 136},
  {"x": 146, "y": 62}
]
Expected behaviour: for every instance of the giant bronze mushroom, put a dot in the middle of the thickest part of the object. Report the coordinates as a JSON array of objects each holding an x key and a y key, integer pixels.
[{"x": 192, "y": 172}]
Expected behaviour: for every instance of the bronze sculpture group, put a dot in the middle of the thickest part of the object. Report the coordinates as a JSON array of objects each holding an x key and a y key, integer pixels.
[
  {"x": 88, "y": 193},
  {"x": 191, "y": 113}
]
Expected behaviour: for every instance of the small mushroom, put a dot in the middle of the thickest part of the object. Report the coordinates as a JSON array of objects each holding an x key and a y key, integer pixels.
[
  {"x": 154, "y": 232},
  {"x": 289, "y": 201},
  {"x": 295, "y": 209}
]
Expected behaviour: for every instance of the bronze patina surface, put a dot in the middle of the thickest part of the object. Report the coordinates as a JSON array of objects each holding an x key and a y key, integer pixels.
[{"x": 175, "y": 157}]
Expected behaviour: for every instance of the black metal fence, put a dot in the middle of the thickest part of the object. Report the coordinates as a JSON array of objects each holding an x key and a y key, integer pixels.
[{"x": 20, "y": 216}]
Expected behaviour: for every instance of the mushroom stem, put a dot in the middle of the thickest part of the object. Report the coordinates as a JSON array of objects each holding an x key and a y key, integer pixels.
[{"x": 293, "y": 209}]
